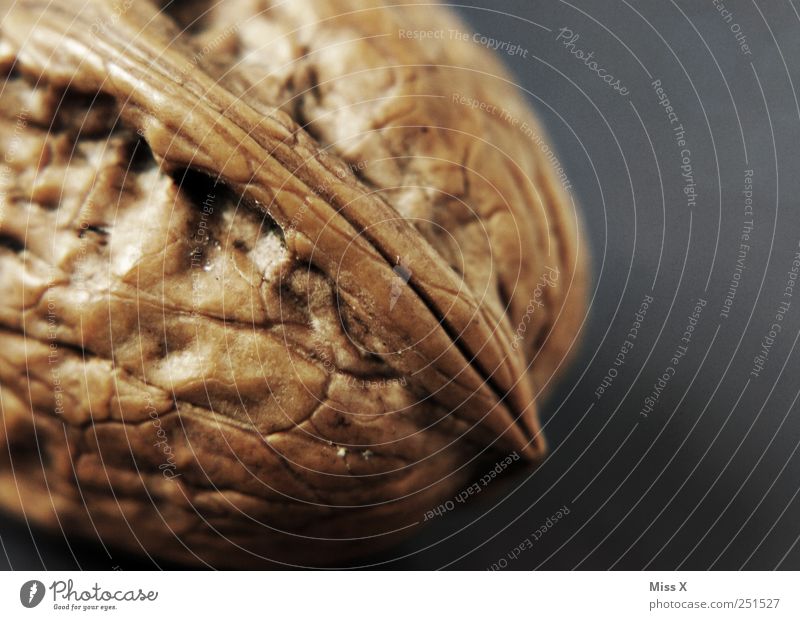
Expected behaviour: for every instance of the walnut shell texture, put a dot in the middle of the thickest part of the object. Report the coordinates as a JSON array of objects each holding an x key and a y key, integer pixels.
[{"x": 269, "y": 288}]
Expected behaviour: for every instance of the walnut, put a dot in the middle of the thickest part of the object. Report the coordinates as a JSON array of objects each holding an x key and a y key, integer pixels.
[{"x": 273, "y": 279}]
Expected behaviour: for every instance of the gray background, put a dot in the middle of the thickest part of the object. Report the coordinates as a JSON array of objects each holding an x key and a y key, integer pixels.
[{"x": 711, "y": 477}]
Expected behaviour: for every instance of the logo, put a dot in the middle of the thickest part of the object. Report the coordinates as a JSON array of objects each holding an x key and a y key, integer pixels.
[{"x": 31, "y": 593}]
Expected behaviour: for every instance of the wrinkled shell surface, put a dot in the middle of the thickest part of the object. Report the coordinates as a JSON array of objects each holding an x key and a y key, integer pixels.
[{"x": 264, "y": 284}]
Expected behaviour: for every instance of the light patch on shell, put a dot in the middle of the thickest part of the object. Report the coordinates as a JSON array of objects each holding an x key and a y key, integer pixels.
[{"x": 267, "y": 254}]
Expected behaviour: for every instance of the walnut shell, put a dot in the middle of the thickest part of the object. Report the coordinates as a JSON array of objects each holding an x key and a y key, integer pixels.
[{"x": 271, "y": 284}]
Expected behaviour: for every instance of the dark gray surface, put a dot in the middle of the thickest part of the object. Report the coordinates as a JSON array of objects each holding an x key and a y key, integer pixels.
[{"x": 711, "y": 477}]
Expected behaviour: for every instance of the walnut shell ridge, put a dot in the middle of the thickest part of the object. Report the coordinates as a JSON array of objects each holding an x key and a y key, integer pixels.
[{"x": 270, "y": 285}]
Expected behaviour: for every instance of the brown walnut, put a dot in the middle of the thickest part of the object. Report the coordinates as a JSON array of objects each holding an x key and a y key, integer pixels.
[{"x": 274, "y": 279}]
